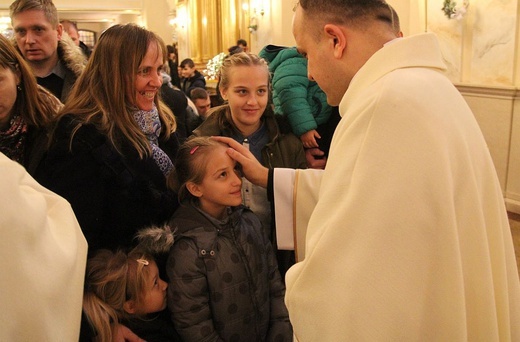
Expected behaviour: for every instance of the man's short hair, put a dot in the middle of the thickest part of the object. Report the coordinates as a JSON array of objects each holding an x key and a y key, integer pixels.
[
  {"x": 351, "y": 12},
  {"x": 198, "y": 93},
  {"x": 242, "y": 42},
  {"x": 187, "y": 62},
  {"x": 47, "y": 6}
]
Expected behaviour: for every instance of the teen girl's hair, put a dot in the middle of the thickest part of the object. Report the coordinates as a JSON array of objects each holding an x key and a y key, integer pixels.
[
  {"x": 111, "y": 279},
  {"x": 36, "y": 105},
  {"x": 190, "y": 164},
  {"x": 104, "y": 93},
  {"x": 235, "y": 60}
]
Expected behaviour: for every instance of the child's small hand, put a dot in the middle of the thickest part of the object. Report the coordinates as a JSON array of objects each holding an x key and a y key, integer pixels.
[
  {"x": 315, "y": 158},
  {"x": 309, "y": 139}
]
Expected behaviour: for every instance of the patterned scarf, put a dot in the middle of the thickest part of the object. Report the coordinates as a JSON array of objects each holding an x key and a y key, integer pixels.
[
  {"x": 150, "y": 124},
  {"x": 12, "y": 140}
]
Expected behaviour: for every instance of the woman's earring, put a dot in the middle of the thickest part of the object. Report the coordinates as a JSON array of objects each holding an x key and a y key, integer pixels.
[{"x": 19, "y": 88}]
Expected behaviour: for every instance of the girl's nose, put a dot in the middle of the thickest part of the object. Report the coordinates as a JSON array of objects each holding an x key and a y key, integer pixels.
[
  {"x": 237, "y": 179},
  {"x": 252, "y": 99}
]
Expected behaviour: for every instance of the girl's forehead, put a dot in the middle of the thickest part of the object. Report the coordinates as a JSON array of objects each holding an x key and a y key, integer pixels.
[{"x": 248, "y": 74}]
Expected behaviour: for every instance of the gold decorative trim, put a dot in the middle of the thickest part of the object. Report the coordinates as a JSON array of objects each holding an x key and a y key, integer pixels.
[
  {"x": 296, "y": 175},
  {"x": 489, "y": 91}
]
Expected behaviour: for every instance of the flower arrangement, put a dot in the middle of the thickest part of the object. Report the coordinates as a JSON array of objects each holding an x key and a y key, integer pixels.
[
  {"x": 451, "y": 10},
  {"x": 213, "y": 66}
]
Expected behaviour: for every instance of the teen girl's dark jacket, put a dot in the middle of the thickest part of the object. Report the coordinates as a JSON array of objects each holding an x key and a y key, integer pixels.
[
  {"x": 224, "y": 282},
  {"x": 196, "y": 81},
  {"x": 113, "y": 194}
]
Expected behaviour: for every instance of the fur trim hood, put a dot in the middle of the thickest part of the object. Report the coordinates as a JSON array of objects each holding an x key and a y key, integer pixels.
[
  {"x": 71, "y": 55},
  {"x": 156, "y": 240}
]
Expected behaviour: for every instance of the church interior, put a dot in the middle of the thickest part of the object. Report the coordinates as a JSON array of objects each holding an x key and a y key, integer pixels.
[{"x": 480, "y": 46}]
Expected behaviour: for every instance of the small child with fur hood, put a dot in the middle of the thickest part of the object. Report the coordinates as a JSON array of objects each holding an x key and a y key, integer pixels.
[{"x": 224, "y": 283}]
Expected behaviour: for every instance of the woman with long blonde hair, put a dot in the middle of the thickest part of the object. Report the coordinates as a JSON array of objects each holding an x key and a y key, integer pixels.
[{"x": 114, "y": 143}]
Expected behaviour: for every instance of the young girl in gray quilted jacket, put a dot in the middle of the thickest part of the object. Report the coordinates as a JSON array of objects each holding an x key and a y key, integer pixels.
[{"x": 224, "y": 283}]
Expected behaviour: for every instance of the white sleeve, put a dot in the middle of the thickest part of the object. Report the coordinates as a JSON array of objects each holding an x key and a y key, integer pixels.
[
  {"x": 283, "y": 188},
  {"x": 295, "y": 196}
]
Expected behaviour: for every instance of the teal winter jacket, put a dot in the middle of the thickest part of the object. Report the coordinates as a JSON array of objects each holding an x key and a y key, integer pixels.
[{"x": 301, "y": 100}]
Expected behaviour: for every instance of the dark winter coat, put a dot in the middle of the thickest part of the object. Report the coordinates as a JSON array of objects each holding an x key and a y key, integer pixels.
[
  {"x": 196, "y": 81},
  {"x": 224, "y": 282},
  {"x": 294, "y": 95},
  {"x": 112, "y": 194}
]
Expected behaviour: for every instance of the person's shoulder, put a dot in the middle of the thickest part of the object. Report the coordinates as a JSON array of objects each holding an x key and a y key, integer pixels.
[
  {"x": 71, "y": 55},
  {"x": 185, "y": 218},
  {"x": 217, "y": 111},
  {"x": 212, "y": 124},
  {"x": 281, "y": 123},
  {"x": 78, "y": 134},
  {"x": 199, "y": 75},
  {"x": 179, "y": 95},
  {"x": 189, "y": 223},
  {"x": 173, "y": 97}
]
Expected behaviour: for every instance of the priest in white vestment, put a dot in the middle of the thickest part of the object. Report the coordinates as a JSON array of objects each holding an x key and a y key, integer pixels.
[{"x": 404, "y": 236}]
